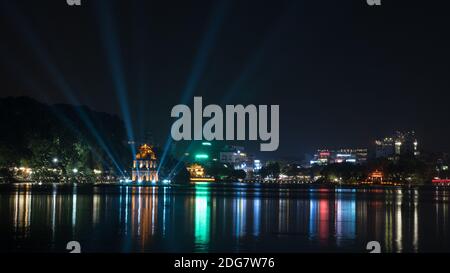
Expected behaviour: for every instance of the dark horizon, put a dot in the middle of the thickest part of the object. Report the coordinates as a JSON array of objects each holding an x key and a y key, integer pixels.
[{"x": 343, "y": 74}]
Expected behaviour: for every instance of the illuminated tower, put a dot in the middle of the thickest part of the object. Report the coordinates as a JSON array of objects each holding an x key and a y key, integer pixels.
[
  {"x": 196, "y": 170},
  {"x": 144, "y": 166}
]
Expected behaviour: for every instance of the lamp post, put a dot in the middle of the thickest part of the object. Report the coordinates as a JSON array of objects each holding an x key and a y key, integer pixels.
[
  {"x": 55, "y": 162},
  {"x": 75, "y": 172}
]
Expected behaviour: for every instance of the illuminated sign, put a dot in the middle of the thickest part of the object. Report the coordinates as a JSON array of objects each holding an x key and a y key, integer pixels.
[
  {"x": 201, "y": 156},
  {"x": 343, "y": 155},
  {"x": 440, "y": 180},
  {"x": 202, "y": 179}
]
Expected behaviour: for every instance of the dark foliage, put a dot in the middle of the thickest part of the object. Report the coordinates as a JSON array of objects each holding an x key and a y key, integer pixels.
[{"x": 34, "y": 133}]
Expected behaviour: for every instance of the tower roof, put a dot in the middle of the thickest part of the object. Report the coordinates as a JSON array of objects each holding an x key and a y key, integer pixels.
[{"x": 146, "y": 152}]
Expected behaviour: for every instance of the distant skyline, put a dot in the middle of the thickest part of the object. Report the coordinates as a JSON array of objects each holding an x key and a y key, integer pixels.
[{"x": 344, "y": 73}]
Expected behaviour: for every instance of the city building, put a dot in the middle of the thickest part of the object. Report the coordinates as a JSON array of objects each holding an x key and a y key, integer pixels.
[
  {"x": 257, "y": 164},
  {"x": 197, "y": 173},
  {"x": 199, "y": 151},
  {"x": 325, "y": 157},
  {"x": 233, "y": 155},
  {"x": 237, "y": 157},
  {"x": 196, "y": 170},
  {"x": 376, "y": 177},
  {"x": 385, "y": 148},
  {"x": 145, "y": 166},
  {"x": 399, "y": 144}
]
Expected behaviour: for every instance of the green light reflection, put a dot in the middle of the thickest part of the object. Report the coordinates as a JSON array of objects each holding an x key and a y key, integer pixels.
[{"x": 202, "y": 218}]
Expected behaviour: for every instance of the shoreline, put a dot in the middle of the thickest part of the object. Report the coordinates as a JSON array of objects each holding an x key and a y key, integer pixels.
[{"x": 237, "y": 185}]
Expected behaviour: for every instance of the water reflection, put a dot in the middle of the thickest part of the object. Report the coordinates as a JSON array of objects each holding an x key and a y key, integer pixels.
[
  {"x": 22, "y": 212},
  {"x": 202, "y": 218},
  {"x": 398, "y": 223},
  {"x": 345, "y": 223},
  {"x": 256, "y": 216},
  {"x": 74, "y": 206},
  {"x": 415, "y": 240},
  {"x": 205, "y": 218}
]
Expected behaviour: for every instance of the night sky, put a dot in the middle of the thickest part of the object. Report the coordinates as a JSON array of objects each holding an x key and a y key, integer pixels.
[{"x": 344, "y": 73}]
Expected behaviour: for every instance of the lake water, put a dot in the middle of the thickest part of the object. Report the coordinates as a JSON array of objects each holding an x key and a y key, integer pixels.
[{"x": 231, "y": 218}]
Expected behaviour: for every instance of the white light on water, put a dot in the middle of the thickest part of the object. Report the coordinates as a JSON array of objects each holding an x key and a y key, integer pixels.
[{"x": 125, "y": 180}]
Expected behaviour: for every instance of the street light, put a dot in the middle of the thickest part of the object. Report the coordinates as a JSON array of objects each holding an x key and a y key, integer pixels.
[
  {"x": 75, "y": 170},
  {"x": 55, "y": 160}
]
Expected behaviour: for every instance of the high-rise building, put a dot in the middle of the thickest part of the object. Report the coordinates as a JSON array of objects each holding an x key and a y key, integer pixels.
[
  {"x": 233, "y": 155},
  {"x": 400, "y": 144},
  {"x": 385, "y": 148},
  {"x": 409, "y": 144},
  {"x": 239, "y": 159}
]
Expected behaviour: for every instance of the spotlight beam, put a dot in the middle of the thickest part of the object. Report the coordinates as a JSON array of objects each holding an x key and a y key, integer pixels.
[
  {"x": 111, "y": 45},
  {"x": 255, "y": 60},
  {"x": 33, "y": 86},
  {"x": 207, "y": 44},
  {"x": 58, "y": 79}
]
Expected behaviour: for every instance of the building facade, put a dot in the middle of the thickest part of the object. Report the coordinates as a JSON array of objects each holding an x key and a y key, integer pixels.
[
  {"x": 240, "y": 160},
  {"x": 233, "y": 155},
  {"x": 399, "y": 144},
  {"x": 196, "y": 170},
  {"x": 145, "y": 165},
  {"x": 354, "y": 156}
]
